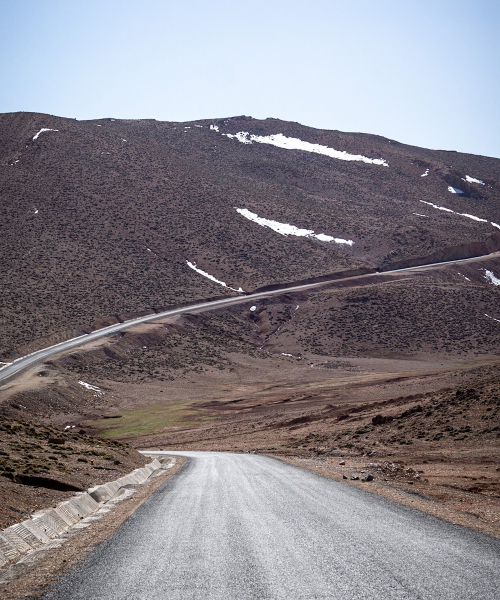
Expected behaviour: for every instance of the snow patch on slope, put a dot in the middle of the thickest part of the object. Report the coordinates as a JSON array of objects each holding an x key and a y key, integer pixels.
[
  {"x": 425, "y": 174},
  {"x": 211, "y": 277},
  {"x": 470, "y": 179},
  {"x": 42, "y": 130},
  {"x": 491, "y": 277},
  {"x": 497, "y": 320},
  {"x": 92, "y": 388},
  {"x": 454, "y": 190},
  {"x": 288, "y": 143},
  {"x": 286, "y": 229},
  {"x": 473, "y": 217}
]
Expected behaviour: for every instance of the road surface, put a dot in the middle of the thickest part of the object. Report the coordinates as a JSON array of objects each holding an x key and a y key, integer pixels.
[
  {"x": 249, "y": 527},
  {"x": 20, "y": 364}
]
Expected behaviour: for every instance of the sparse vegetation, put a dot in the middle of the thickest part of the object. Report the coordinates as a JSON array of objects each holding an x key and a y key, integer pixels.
[
  {"x": 60, "y": 463},
  {"x": 114, "y": 227},
  {"x": 82, "y": 260}
]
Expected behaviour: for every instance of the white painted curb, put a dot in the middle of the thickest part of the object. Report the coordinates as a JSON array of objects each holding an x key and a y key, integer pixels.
[{"x": 45, "y": 525}]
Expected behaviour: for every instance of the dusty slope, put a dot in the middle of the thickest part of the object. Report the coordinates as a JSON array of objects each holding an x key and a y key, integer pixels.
[
  {"x": 402, "y": 325},
  {"x": 99, "y": 218},
  {"x": 41, "y": 465}
]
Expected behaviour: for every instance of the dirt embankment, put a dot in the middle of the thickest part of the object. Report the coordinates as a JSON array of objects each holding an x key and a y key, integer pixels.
[
  {"x": 438, "y": 452},
  {"x": 42, "y": 465},
  {"x": 322, "y": 278},
  {"x": 459, "y": 252}
]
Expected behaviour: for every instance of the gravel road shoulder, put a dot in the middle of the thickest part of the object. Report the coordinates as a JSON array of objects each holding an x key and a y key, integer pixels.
[{"x": 401, "y": 495}]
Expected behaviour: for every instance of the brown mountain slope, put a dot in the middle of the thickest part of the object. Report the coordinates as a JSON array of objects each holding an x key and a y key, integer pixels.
[{"x": 99, "y": 218}]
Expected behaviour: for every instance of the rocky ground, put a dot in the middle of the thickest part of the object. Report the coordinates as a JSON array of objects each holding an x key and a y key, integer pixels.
[
  {"x": 41, "y": 465},
  {"x": 395, "y": 374}
]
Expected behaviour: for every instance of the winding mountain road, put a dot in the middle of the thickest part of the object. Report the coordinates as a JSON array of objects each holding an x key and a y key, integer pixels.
[
  {"x": 20, "y": 364},
  {"x": 249, "y": 527}
]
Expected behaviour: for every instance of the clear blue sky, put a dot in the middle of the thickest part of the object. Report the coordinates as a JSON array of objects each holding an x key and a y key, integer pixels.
[{"x": 422, "y": 72}]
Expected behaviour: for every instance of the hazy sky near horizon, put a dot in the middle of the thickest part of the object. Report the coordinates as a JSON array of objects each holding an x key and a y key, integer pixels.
[{"x": 423, "y": 72}]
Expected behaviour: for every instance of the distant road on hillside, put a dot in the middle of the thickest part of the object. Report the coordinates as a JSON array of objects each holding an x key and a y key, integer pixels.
[
  {"x": 24, "y": 362},
  {"x": 248, "y": 527}
]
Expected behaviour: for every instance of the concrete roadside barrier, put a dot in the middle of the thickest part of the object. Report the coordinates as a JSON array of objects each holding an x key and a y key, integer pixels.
[
  {"x": 9, "y": 551},
  {"x": 45, "y": 525},
  {"x": 50, "y": 522},
  {"x": 100, "y": 493},
  {"x": 126, "y": 480},
  {"x": 68, "y": 513},
  {"x": 36, "y": 531},
  {"x": 3, "y": 560},
  {"x": 24, "y": 533},
  {"x": 143, "y": 473},
  {"x": 103, "y": 493},
  {"x": 16, "y": 540},
  {"x": 140, "y": 475},
  {"x": 83, "y": 504}
]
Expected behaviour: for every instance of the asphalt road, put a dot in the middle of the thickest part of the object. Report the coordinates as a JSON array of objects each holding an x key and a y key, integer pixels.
[
  {"x": 241, "y": 527},
  {"x": 22, "y": 363}
]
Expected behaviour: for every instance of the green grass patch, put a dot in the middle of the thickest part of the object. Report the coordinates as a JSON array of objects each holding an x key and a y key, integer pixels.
[{"x": 153, "y": 418}]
